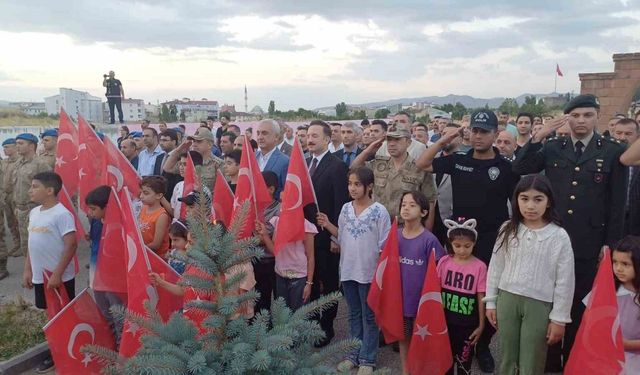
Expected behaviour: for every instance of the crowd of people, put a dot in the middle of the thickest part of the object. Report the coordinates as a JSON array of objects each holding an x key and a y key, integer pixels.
[{"x": 517, "y": 211}]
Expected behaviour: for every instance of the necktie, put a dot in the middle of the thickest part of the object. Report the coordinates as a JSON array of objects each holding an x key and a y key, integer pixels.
[
  {"x": 348, "y": 158},
  {"x": 579, "y": 146},
  {"x": 314, "y": 165}
]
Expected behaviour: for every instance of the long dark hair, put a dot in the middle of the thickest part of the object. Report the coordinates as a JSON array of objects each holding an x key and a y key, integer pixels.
[
  {"x": 531, "y": 182},
  {"x": 631, "y": 245},
  {"x": 420, "y": 199},
  {"x": 365, "y": 176}
]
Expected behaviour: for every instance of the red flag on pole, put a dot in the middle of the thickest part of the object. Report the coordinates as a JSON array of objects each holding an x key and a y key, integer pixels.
[
  {"x": 298, "y": 192},
  {"x": 56, "y": 298},
  {"x": 598, "y": 348},
  {"x": 222, "y": 200},
  {"x": 119, "y": 171},
  {"x": 167, "y": 303},
  {"x": 80, "y": 232},
  {"x": 79, "y": 323},
  {"x": 91, "y": 160},
  {"x": 250, "y": 187},
  {"x": 111, "y": 264},
  {"x": 430, "y": 350},
  {"x": 558, "y": 71},
  {"x": 67, "y": 153},
  {"x": 189, "y": 184},
  {"x": 139, "y": 287},
  {"x": 385, "y": 294}
]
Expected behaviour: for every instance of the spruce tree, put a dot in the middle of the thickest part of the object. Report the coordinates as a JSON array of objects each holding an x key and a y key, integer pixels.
[{"x": 275, "y": 342}]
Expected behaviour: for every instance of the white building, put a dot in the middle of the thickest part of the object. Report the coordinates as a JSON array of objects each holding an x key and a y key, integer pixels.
[
  {"x": 195, "y": 110},
  {"x": 133, "y": 109},
  {"x": 152, "y": 110},
  {"x": 74, "y": 102},
  {"x": 29, "y": 108}
]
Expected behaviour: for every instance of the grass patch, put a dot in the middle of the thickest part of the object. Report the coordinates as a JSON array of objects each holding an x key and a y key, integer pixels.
[
  {"x": 20, "y": 327},
  {"x": 14, "y": 117}
]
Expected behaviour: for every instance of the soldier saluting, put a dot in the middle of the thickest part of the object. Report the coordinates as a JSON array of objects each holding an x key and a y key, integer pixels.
[{"x": 590, "y": 189}]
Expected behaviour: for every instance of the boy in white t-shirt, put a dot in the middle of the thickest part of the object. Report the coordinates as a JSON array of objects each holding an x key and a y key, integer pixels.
[{"x": 52, "y": 243}]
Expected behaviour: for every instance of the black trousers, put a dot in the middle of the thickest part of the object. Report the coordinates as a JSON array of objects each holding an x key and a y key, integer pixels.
[
  {"x": 265, "y": 275},
  {"x": 326, "y": 281},
  {"x": 115, "y": 102},
  {"x": 461, "y": 348}
]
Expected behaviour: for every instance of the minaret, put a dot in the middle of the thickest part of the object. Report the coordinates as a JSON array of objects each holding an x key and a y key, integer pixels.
[{"x": 246, "y": 109}]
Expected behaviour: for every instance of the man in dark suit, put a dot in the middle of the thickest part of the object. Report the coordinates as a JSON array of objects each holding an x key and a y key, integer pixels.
[
  {"x": 269, "y": 157},
  {"x": 590, "y": 186},
  {"x": 350, "y": 133},
  {"x": 627, "y": 131},
  {"x": 329, "y": 178}
]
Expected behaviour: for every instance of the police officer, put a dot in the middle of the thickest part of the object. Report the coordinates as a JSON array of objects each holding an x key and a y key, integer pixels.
[
  {"x": 482, "y": 181},
  {"x": 49, "y": 145},
  {"x": 114, "y": 94},
  {"x": 8, "y": 166},
  {"x": 28, "y": 166},
  {"x": 397, "y": 173},
  {"x": 590, "y": 186}
]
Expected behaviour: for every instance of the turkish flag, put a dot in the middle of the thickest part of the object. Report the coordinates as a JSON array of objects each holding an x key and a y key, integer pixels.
[
  {"x": 385, "y": 294},
  {"x": 250, "y": 187},
  {"x": 91, "y": 160},
  {"x": 67, "y": 153},
  {"x": 79, "y": 323},
  {"x": 298, "y": 192},
  {"x": 139, "y": 288},
  {"x": 558, "y": 71},
  {"x": 598, "y": 348},
  {"x": 111, "y": 264},
  {"x": 222, "y": 200},
  {"x": 119, "y": 172},
  {"x": 167, "y": 303},
  {"x": 189, "y": 184},
  {"x": 56, "y": 298},
  {"x": 80, "y": 232},
  {"x": 430, "y": 350}
]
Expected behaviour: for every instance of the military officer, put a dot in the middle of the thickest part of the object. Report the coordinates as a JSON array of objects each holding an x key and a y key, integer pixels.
[
  {"x": 7, "y": 166},
  {"x": 28, "y": 166},
  {"x": 590, "y": 186},
  {"x": 397, "y": 173},
  {"x": 49, "y": 145}
]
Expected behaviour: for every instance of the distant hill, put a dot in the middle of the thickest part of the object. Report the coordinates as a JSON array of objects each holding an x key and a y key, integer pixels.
[{"x": 466, "y": 100}]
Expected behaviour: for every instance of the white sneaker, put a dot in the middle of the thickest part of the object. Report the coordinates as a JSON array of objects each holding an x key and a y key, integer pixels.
[
  {"x": 346, "y": 365},
  {"x": 365, "y": 370}
]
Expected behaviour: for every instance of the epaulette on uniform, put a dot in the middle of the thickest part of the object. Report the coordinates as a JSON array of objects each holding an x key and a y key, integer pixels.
[{"x": 382, "y": 157}]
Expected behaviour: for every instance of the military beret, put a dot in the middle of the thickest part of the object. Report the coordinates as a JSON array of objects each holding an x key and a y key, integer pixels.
[
  {"x": 582, "y": 101},
  {"x": 135, "y": 135},
  {"x": 9, "y": 141},
  {"x": 27, "y": 137},
  {"x": 179, "y": 130},
  {"x": 49, "y": 133}
]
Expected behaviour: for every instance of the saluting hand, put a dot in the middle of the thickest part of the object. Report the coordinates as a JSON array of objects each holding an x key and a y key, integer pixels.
[
  {"x": 184, "y": 147},
  {"x": 550, "y": 127},
  {"x": 448, "y": 135},
  {"x": 374, "y": 146}
]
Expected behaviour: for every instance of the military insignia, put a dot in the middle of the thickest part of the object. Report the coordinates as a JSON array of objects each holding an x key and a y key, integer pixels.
[
  {"x": 494, "y": 172},
  {"x": 598, "y": 177},
  {"x": 381, "y": 167}
]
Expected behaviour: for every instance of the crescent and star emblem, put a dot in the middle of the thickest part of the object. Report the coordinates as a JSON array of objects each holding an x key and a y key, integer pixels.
[
  {"x": 295, "y": 180},
  {"x": 80, "y": 327}
]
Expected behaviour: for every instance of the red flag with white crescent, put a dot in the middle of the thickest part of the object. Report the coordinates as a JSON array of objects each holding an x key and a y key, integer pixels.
[
  {"x": 385, "y": 294},
  {"x": 91, "y": 160},
  {"x": 598, "y": 347},
  {"x": 56, "y": 298},
  {"x": 189, "y": 184},
  {"x": 65, "y": 200},
  {"x": 298, "y": 192},
  {"x": 119, "y": 171},
  {"x": 79, "y": 323},
  {"x": 111, "y": 264},
  {"x": 430, "y": 350},
  {"x": 67, "y": 153},
  {"x": 222, "y": 200},
  {"x": 168, "y": 303}
]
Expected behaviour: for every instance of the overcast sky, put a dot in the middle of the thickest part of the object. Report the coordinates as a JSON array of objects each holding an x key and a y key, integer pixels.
[{"x": 309, "y": 53}]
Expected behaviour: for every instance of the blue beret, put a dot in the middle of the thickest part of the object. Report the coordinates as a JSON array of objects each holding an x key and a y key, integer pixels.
[
  {"x": 9, "y": 141},
  {"x": 135, "y": 134},
  {"x": 49, "y": 133},
  {"x": 27, "y": 137},
  {"x": 178, "y": 129},
  {"x": 582, "y": 101},
  {"x": 100, "y": 135}
]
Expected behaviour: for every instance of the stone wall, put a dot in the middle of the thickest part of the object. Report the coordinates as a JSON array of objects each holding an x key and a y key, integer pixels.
[{"x": 614, "y": 90}]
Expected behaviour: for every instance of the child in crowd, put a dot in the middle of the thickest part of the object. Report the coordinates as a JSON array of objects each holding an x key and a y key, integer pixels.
[
  {"x": 531, "y": 279},
  {"x": 179, "y": 235},
  {"x": 232, "y": 168},
  {"x": 52, "y": 244},
  {"x": 175, "y": 206},
  {"x": 626, "y": 265},
  {"x": 154, "y": 219},
  {"x": 463, "y": 279},
  {"x": 363, "y": 226},
  {"x": 96, "y": 202},
  {"x": 295, "y": 262},
  {"x": 264, "y": 268},
  {"x": 415, "y": 244}
]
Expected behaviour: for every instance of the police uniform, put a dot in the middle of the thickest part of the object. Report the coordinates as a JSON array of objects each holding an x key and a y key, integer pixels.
[
  {"x": 590, "y": 192},
  {"x": 22, "y": 177},
  {"x": 391, "y": 183}
]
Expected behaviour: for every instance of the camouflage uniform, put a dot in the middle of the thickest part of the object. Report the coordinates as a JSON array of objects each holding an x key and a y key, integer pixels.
[
  {"x": 209, "y": 170},
  {"x": 22, "y": 177},
  {"x": 8, "y": 166},
  {"x": 3, "y": 246},
  {"x": 49, "y": 157},
  {"x": 391, "y": 183}
]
